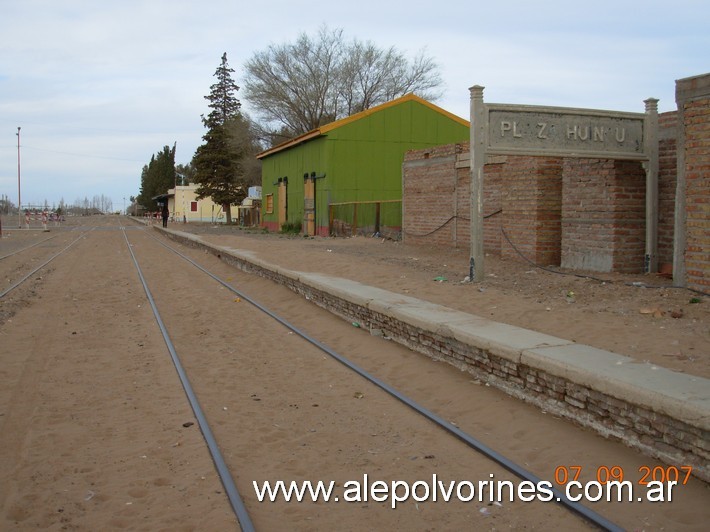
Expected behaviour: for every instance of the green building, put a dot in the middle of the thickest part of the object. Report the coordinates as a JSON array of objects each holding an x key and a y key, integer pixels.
[{"x": 346, "y": 177}]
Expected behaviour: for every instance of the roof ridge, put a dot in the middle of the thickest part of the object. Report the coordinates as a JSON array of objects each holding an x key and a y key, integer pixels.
[{"x": 410, "y": 96}]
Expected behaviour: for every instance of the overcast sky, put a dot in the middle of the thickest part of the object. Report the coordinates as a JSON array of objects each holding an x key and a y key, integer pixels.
[{"x": 99, "y": 87}]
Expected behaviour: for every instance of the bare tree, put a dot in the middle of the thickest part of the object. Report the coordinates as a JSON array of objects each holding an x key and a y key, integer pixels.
[
  {"x": 293, "y": 84},
  {"x": 300, "y": 86},
  {"x": 371, "y": 76}
]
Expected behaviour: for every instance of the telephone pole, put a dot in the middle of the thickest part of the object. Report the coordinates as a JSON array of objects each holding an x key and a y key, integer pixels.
[{"x": 19, "y": 196}]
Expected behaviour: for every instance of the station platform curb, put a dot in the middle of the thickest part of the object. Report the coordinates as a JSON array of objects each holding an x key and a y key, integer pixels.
[{"x": 662, "y": 413}]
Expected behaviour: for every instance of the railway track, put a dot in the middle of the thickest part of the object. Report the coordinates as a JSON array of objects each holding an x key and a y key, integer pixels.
[
  {"x": 32, "y": 258},
  {"x": 275, "y": 402},
  {"x": 448, "y": 427}
]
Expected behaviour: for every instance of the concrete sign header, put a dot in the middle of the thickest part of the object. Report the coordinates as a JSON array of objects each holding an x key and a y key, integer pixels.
[{"x": 529, "y": 130}]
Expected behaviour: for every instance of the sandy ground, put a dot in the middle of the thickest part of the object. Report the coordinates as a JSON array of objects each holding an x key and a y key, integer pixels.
[{"x": 96, "y": 433}]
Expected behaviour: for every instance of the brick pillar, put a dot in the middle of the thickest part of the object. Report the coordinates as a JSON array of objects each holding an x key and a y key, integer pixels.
[
  {"x": 603, "y": 215},
  {"x": 692, "y": 228},
  {"x": 667, "y": 169}
]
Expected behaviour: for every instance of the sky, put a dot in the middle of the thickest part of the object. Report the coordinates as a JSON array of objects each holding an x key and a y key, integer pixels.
[{"x": 97, "y": 88}]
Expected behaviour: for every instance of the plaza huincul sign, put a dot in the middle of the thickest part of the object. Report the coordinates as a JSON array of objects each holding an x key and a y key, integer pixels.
[{"x": 527, "y": 130}]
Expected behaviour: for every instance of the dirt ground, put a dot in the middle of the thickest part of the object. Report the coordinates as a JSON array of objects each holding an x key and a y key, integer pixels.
[
  {"x": 96, "y": 433},
  {"x": 666, "y": 326}
]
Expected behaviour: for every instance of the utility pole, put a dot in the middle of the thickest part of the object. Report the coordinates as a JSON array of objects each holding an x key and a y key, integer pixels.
[{"x": 19, "y": 195}]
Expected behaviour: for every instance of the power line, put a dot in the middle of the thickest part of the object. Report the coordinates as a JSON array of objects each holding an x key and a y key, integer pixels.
[{"x": 81, "y": 154}]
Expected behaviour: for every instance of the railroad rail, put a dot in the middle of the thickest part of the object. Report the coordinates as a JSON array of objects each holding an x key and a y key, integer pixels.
[{"x": 26, "y": 276}]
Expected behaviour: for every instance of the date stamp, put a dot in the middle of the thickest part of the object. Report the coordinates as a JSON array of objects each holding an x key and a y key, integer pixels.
[
  {"x": 641, "y": 476},
  {"x": 619, "y": 484}
]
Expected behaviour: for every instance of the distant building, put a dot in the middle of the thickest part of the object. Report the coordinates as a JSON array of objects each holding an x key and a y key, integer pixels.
[{"x": 185, "y": 207}]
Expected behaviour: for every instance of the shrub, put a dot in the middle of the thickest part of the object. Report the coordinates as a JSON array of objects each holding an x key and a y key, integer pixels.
[{"x": 291, "y": 228}]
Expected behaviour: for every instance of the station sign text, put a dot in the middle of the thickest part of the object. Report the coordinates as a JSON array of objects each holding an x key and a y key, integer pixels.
[{"x": 531, "y": 132}]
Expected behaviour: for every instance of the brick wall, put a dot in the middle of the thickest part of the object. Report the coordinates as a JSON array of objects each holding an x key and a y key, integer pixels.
[
  {"x": 585, "y": 214},
  {"x": 436, "y": 207},
  {"x": 581, "y": 213},
  {"x": 492, "y": 201},
  {"x": 437, "y": 187}
]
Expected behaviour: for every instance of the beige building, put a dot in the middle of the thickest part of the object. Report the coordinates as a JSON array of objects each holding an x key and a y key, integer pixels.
[{"x": 185, "y": 207}]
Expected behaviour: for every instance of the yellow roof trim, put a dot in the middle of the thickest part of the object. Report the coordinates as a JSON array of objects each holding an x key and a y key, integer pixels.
[
  {"x": 292, "y": 142},
  {"x": 357, "y": 116}
]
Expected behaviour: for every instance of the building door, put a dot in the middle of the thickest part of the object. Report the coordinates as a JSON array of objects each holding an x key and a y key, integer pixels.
[
  {"x": 283, "y": 204},
  {"x": 309, "y": 205}
]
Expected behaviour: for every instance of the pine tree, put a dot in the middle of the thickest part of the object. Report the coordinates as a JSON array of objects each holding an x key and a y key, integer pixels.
[
  {"x": 157, "y": 177},
  {"x": 217, "y": 166}
]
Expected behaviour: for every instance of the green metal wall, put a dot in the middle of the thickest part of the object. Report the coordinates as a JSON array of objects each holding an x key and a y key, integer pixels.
[
  {"x": 362, "y": 159},
  {"x": 292, "y": 163}
]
